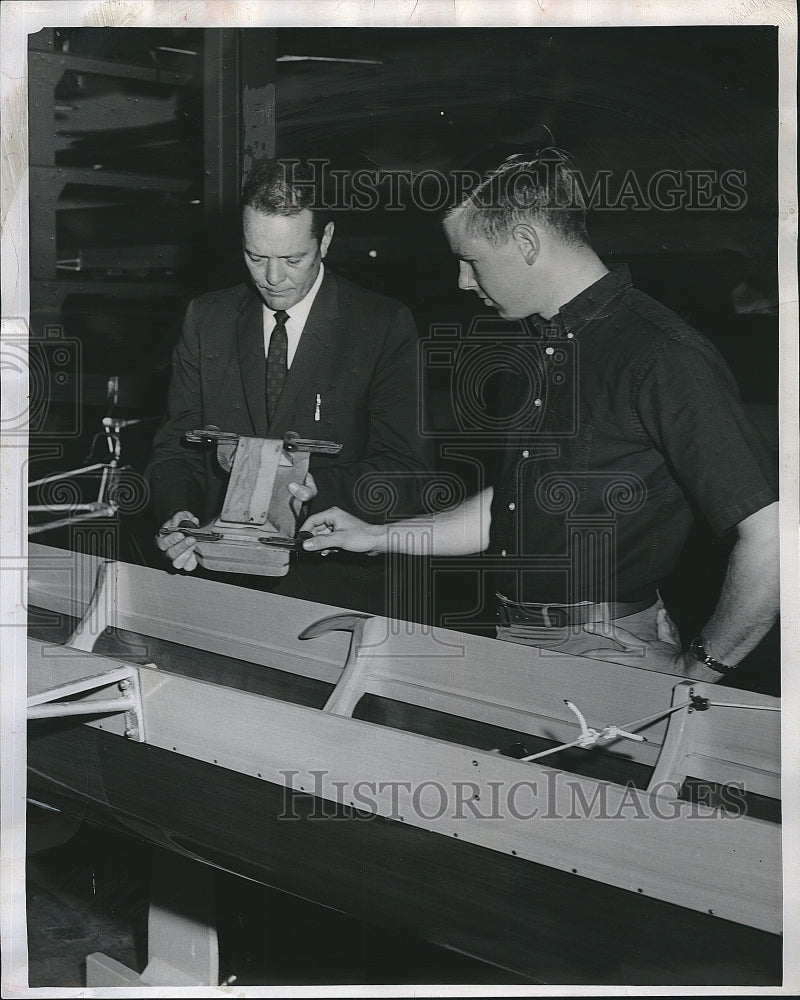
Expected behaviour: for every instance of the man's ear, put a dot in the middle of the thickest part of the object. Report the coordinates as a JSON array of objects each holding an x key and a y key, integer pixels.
[
  {"x": 327, "y": 236},
  {"x": 527, "y": 240}
]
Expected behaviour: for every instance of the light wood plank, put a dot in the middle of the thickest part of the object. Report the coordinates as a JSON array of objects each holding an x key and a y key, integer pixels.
[
  {"x": 682, "y": 852},
  {"x": 517, "y": 687}
]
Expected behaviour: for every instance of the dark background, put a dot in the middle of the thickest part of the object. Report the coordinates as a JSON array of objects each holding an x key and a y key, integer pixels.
[{"x": 138, "y": 137}]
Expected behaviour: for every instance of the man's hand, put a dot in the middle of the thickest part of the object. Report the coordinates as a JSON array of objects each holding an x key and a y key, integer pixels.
[
  {"x": 336, "y": 529},
  {"x": 664, "y": 653},
  {"x": 176, "y": 546},
  {"x": 302, "y": 493},
  {"x": 682, "y": 663},
  {"x": 695, "y": 671}
]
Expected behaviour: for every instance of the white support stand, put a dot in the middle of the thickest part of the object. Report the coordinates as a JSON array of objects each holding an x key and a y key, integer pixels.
[
  {"x": 115, "y": 692},
  {"x": 182, "y": 944},
  {"x": 111, "y": 692},
  {"x": 182, "y": 936}
]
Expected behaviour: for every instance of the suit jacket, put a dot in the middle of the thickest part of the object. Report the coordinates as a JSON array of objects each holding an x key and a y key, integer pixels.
[{"x": 357, "y": 353}]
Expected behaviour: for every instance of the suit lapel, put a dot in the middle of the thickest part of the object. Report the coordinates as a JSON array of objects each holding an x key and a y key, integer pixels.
[
  {"x": 252, "y": 363},
  {"x": 311, "y": 358}
]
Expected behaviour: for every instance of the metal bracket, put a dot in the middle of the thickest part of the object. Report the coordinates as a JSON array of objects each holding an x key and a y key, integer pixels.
[
  {"x": 112, "y": 692},
  {"x": 699, "y": 703}
]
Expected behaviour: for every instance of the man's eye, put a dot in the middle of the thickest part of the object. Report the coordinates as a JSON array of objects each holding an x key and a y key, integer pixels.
[{"x": 294, "y": 261}]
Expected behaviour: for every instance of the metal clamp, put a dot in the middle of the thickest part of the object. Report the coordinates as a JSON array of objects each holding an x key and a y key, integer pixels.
[
  {"x": 187, "y": 528},
  {"x": 279, "y": 542},
  {"x": 293, "y": 442}
]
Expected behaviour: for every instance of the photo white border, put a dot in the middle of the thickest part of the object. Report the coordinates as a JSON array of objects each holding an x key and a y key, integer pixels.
[{"x": 18, "y": 18}]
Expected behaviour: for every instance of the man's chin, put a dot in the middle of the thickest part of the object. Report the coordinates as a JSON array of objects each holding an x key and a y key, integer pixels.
[
  {"x": 502, "y": 312},
  {"x": 507, "y": 313},
  {"x": 273, "y": 301}
]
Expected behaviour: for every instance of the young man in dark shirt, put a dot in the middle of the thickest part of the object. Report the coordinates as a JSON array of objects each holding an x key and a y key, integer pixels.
[{"x": 634, "y": 425}]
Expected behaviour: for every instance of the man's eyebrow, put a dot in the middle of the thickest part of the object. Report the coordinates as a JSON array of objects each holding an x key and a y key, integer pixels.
[{"x": 280, "y": 256}]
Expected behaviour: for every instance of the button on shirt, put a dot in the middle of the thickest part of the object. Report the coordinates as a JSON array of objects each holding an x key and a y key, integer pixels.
[
  {"x": 298, "y": 315},
  {"x": 640, "y": 426}
]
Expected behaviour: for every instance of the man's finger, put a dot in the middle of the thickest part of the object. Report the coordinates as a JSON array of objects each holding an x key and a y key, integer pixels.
[
  {"x": 168, "y": 542},
  {"x": 323, "y": 540},
  {"x": 170, "y": 533},
  {"x": 324, "y": 519},
  {"x": 666, "y": 629},
  {"x": 181, "y": 515},
  {"x": 186, "y": 561},
  {"x": 304, "y": 491},
  {"x": 181, "y": 554},
  {"x": 301, "y": 492},
  {"x": 178, "y": 548}
]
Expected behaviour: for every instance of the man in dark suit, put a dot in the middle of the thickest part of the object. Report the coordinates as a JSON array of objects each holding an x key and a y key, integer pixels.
[{"x": 296, "y": 349}]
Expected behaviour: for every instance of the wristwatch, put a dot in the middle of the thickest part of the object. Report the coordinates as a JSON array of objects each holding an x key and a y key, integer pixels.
[{"x": 698, "y": 651}]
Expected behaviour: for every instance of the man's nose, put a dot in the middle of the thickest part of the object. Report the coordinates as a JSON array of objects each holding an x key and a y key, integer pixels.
[
  {"x": 274, "y": 272},
  {"x": 465, "y": 279}
]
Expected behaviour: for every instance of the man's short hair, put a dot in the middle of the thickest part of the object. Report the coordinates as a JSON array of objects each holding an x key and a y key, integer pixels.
[
  {"x": 286, "y": 187},
  {"x": 539, "y": 189}
]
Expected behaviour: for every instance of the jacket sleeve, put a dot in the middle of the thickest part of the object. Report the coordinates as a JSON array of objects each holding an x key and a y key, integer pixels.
[
  {"x": 390, "y": 477},
  {"x": 176, "y": 472}
]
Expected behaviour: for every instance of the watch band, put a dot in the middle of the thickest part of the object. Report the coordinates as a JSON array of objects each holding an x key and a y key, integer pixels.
[{"x": 698, "y": 651}]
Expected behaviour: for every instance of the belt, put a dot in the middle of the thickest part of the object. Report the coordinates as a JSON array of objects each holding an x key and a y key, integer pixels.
[{"x": 561, "y": 615}]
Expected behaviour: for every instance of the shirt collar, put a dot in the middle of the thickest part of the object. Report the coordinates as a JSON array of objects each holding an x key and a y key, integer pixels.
[{"x": 574, "y": 315}]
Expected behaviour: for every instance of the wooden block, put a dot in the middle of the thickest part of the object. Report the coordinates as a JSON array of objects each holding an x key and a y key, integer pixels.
[
  {"x": 249, "y": 493},
  {"x": 240, "y": 551},
  {"x": 257, "y": 503}
]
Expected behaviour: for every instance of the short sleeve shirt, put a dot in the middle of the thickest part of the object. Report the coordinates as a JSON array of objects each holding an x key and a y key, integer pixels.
[{"x": 631, "y": 426}]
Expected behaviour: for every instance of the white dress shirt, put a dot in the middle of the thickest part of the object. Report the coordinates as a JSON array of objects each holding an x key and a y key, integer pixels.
[{"x": 298, "y": 315}]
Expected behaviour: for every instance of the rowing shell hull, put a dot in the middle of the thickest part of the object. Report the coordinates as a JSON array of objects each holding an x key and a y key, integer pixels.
[
  {"x": 530, "y": 919},
  {"x": 239, "y": 764}
]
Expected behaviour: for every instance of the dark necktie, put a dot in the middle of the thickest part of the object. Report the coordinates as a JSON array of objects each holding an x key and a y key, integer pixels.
[{"x": 276, "y": 362}]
